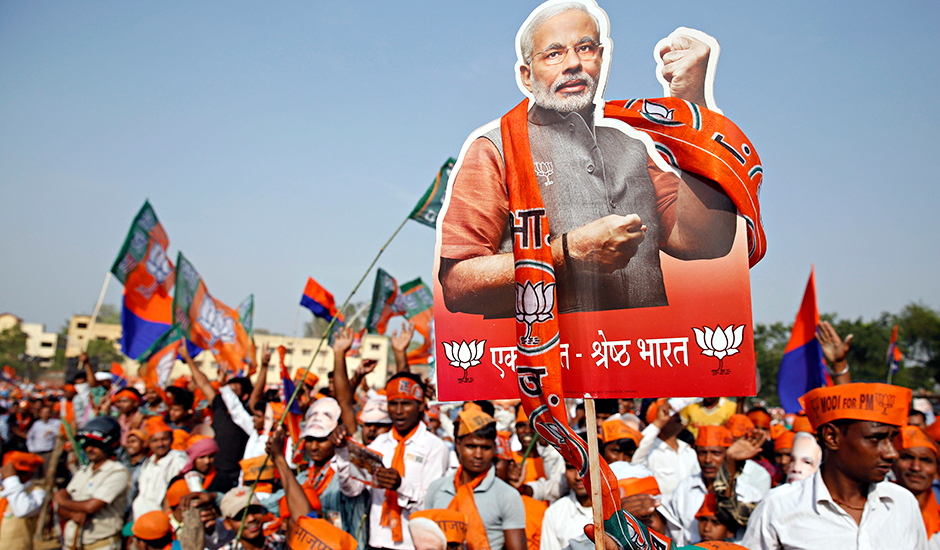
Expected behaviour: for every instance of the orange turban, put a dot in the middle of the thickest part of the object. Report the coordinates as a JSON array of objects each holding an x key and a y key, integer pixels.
[
  {"x": 911, "y": 436},
  {"x": 709, "y": 507},
  {"x": 453, "y": 523},
  {"x": 873, "y": 402},
  {"x": 23, "y": 462},
  {"x": 176, "y": 492},
  {"x": 404, "y": 388},
  {"x": 319, "y": 534},
  {"x": 151, "y": 526},
  {"x": 760, "y": 419},
  {"x": 155, "y": 425},
  {"x": 713, "y": 436},
  {"x": 802, "y": 424},
  {"x": 179, "y": 440},
  {"x": 616, "y": 429},
  {"x": 785, "y": 441},
  {"x": 777, "y": 430},
  {"x": 471, "y": 421},
  {"x": 140, "y": 434},
  {"x": 739, "y": 425},
  {"x": 639, "y": 486},
  {"x": 471, "y": 406}
]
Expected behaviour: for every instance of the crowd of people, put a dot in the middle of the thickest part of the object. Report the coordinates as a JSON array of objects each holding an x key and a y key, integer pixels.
[{"x": 207, "y": 465}]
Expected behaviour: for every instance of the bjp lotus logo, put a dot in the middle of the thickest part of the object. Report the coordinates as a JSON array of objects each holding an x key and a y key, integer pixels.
[
  {"x": 464, "y": 355},
  {"x": 534, "y": 304},
  {"x": 158, "y": 266},
  {"x": 219, "y": 325},
  {"x": 719, "y": 343}
]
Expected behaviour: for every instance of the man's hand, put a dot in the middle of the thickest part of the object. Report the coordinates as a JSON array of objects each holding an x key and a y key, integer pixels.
[
  {"x": 685, "y": 62},
  {"x": 663, "y": 415},
  {"x": 195, "y": 500},
  {"x": 338, "y": 437},
  {"x": 7, "y": 470},
  {"x": 747, "y": 447},
  {"x": 276, "y": 443},
  {"x": 364, "y": 368},
  {"x": 516, "y": 474},
  {"x": 82, "y": 359},
  {"x": 265, "y": 356},
  {"x": 343, "y": 340},
  {"x": 184, "y": 351},
  {"x": 607, "y": 244},
  {"x": 387, "y": 478},
  {"x": 639, "y": 505},
  {"x": 400, "y": 341},
  {"x": 833, "y": 347}
]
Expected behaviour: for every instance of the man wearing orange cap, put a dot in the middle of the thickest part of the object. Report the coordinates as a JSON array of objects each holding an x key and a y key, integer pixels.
[
  {"x": 711, "y": 448},
  {"x": 783, "y": 448},
  {"x": 128, "y": 402},
  {"x": 413, "y": 458},
  {"x": 152, "y": 531},
  {"x": 158, "y": 469},
  {"x": 752, "y": 473},
  {"x": 844, "y": 504},
  {"x": 20, "y": 499},
  {"x": 668, "y": 457},
  {"x": 494, "y": 510},
  {"x": 618, "y": 441},
  {"x": 710, "y": 528},
  {"x": 915, "y": 469},
  {"x": 239, "y": 503}
]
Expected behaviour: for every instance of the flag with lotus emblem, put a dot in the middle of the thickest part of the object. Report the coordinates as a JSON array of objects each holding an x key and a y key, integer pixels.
[
  {"x": 145, "y": 271},
  {"x": 429, "y": 206},
  {"x": 419, "y": 309},
  {"x": 386, "y": 302},
  {"x": 208, "y": 322},
  {"x": 156, "y": 363}
]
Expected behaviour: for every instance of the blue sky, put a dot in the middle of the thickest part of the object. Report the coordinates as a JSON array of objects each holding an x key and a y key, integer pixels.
[{"x": 282, "y": 140}]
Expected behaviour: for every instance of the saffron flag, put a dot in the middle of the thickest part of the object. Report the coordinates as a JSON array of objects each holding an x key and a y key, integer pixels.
[
  {"x": 156, "y": 363},
  {"x": 319, "y": 301},
  {"x": 208, "y": 322},
  {"x": 802, "y": 368},
  {"x": 429, "y": 206},
  {"x": 385, "y": 302},
  {"x": 894, "y": 355},
  {"x": 419, "y": 309},
  {"x": 118, "y": 377},
  {"x": 293, "y": 413},
  {"x": 147, "y": 275}
]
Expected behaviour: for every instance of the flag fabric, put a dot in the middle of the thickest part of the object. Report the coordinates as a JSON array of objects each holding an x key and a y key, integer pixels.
[
  {"x": 419, "y": 309},
  {"x": 385, "y": 302},
  {"x": 246, "y": 313},
  {"x": 319, "y": 301},
  {"x": 118, "y": 377},
  {"x": 156, "y": 363},
  {"x": 208, "y": 322},
  {"x": 145, "y": 271},
  {"x": 802, "y": 368},
  {"x": 428, "y": 208},
  {"x": 894, "y": 355},
  {"x": 294, "y": 414}
]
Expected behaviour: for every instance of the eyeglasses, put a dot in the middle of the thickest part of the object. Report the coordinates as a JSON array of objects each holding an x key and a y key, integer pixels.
[{"x": 586, "y": 51}]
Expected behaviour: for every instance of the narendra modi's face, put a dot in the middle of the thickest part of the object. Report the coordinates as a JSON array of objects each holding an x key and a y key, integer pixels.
[{"x": 566, "y": 62}]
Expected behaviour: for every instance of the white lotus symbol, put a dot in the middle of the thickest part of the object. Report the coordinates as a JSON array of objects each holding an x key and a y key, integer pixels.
[
  {"x": 217, "y": 324},
  {"x": 534, "y": 304},
  {"x": 719, "y": 343},
  {"x": 165, "y": 367},
  {"x": 464, "y": 355},
  {"x": 157, "y": 264}
]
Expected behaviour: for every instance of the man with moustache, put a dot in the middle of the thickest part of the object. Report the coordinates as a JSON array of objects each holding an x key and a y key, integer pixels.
[
  {"x": 845, "y": 504},
  {"x": 915, "y": 469},
  {"x": 610, "y": 207}
]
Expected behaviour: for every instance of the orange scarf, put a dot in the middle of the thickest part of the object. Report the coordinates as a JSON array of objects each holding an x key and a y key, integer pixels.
[
  {"x": 391, "y": 511},
  {"x": 465, "y": 504},
  {"x": 207, "y": 481},
  {"x": 315, "y": 485},
  {"x": 931, "y": 513},
  {"x": 534, "y": 512},
  {"x": 3, "y": 508},
  {"x": 534, "y": 468}
]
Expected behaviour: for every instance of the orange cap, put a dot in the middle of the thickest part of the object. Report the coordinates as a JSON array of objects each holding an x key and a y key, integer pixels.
[
  {"x": 453, "y": 523},
  {"x": 23, "y": 462},
  {"x": 785, "y": 441},
  {"x": 176, "y": 492},
  {"x": 251, "y": 467},
  {"x": 709, "y": 507},
  {"x": 404, "y": 388},
  {"x": 911, "y": 436},
  {"x": 858, "y": 401},
  {"x": 179, "y": 440},
  {"x": 777, "y": 430},
  {"x": 470, "y": 421},
  {"x": 521, "y": 416},
  {"x": 69, "y": 387},
  {"x": 933, "y": 431},
  {"x": 155, "y": 425},
  {"x": 195, "y": 438},
  {"x": 310, "y": 379},
  {"x": 471, "y": 406},
  {"x": 739, "y": 425},
  {"x": 713, "y": 436},
  {"x": 639, "y": 486},
  {"x": 802, "y": 424},
  {"x": 651, "y": 410},
  {"x": 718, "y": 545},
  {"x": 615, "y": 429},
  {"x": 140, "y": 434},
  {"x": 319, "y": 534},
  {"x": 151, "y": 526},
  {"x": 760, "y": 419}
]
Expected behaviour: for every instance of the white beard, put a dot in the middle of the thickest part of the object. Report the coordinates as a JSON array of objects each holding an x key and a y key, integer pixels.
[{"x": 546, "y": 97}]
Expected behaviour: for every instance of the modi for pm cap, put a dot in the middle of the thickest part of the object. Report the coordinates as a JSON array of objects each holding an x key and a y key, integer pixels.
[{"x": 882, "y": 403}]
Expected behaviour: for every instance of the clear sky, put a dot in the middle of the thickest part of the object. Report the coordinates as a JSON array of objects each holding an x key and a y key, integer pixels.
[{"x": 283, "y": 140}]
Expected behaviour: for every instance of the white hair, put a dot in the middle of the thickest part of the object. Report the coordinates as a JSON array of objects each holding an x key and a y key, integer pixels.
[{"x": 527, "y": 40}]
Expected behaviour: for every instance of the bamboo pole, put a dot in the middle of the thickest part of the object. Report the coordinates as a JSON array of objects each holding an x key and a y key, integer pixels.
[
  {"x": 594, "y": 473},
  {"x": 94, "y": 316}
]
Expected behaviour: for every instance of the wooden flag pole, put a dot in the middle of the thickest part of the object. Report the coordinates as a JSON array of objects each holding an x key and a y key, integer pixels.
[
  {"x": 94, "y": 316},
  {"x": 594, "y": 466}
]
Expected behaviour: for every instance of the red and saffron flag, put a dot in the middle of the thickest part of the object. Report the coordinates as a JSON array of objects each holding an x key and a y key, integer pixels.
[
  {"x": 294, "y": 414},
  {"x": 145, "y": 271},
  {"x": 894, "y": 355},
  {"x": 319, "y": 301},
  {"x": 802, "y": 368},
  {"x": 209, "y": 323}
]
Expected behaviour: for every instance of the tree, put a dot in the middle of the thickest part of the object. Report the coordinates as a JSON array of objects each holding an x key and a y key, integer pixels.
[
  {"x": 104, "y": 353},
  {"x": 13, "y": 348},
  {"x": 109, "y": 314},
  {"x": 316, "y": 328}
]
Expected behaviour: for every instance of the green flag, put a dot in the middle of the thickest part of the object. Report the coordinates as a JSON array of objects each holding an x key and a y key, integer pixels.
[
  {"x": 430, "y": 204},
  {"x": 384, "y": 303},
  {"x": 246, "y": 313},
  {"x": 416, "y": 297}
]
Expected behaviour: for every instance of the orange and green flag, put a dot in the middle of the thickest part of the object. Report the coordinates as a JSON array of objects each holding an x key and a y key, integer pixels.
[
  {"x": 419, "y": 309},
  {"x": 430, "y": 205},
  {"x": 385, "y": 302},
  {"x": 207, "y": 322}
]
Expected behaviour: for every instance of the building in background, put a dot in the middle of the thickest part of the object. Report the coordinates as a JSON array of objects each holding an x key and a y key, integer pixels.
[{"x": 40, "y": 345}]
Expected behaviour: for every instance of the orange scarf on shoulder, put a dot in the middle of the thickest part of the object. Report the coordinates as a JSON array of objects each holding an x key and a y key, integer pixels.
[
  {"x": 931, "y": 514},
  {"x": 463, "y": 502},
  {"x": 315, "y": 485},
  {"x": 391, "y": 511}
]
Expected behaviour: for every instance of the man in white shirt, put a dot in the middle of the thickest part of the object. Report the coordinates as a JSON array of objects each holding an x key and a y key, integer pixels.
[
  {"x": 846, "y": 503},
  {"x": 670, "y": 459},
  {"x": 161, "y": 466},
  {"x": 412, "y": 458},
  {"x": 565, "y": 519},
  {"x": 23, "y": 499}
]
